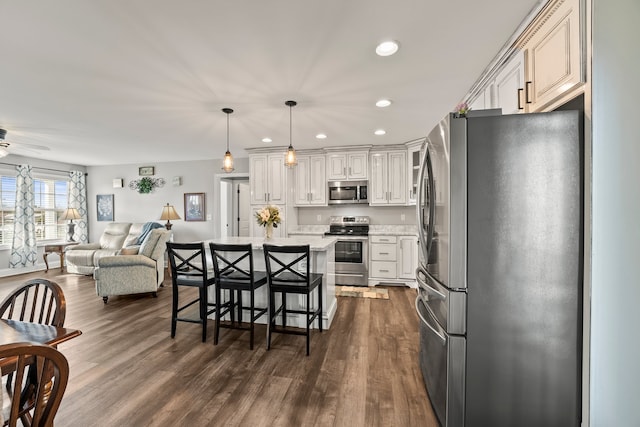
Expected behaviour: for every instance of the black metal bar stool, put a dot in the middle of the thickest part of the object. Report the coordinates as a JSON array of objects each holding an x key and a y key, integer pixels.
[
  {"x": 283, "y": 278},
  {"x": 233, "y": 266},
  {"x": 189, "y": 268}
]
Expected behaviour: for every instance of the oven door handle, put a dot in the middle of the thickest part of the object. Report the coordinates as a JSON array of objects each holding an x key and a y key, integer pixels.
[
  {"x": 431, "y": 292},
  {"x": 443, "y": 339}
]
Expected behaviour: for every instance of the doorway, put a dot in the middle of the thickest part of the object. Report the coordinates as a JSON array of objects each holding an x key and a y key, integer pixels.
[{"x": 234, "y": 206}]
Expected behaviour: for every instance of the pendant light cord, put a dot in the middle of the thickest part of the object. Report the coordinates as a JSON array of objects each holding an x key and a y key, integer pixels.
[
  {"x": 227, "y": 132},
  {"x": 290, "y": 126}
]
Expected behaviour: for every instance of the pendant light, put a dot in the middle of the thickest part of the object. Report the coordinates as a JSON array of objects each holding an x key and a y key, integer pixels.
[
  {"x": 290, "y": 159},
  {"x": 227, "y": 163}
]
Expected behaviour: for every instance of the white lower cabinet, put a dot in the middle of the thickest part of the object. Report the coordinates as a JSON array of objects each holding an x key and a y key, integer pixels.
[
  {"x": 407, "y": 257},
  {"x": 393, "y": 259}
]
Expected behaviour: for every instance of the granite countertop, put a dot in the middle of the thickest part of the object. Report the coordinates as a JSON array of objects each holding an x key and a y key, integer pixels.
[
  {"x": 309, "y": 230},
  {"x": 374, "y": 229},
  {"x": 317, "y": 244},
  {"x": 393, "y": 230}
]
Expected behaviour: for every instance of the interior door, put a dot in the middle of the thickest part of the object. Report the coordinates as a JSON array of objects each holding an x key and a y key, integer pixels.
[{"x": 243, "y": 208}]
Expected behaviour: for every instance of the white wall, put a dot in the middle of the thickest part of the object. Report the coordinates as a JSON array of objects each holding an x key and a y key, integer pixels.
[
  {"x": 615, "y": 316},
  {"x": 130, "y": 206}
]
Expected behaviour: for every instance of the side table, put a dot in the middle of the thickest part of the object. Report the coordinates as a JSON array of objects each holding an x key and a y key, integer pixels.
[{"x": 57, "y": 248}]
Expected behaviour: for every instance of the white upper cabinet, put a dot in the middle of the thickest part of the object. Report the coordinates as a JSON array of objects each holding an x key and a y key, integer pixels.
[
  {"x": 347, "y": 166},
  {"x": 267, "y": 179},
  {"x": 414, "y": 160},
  {"x": 484, "y": 99},
  {"x": 310, "y": 181},
  {"x": 554, "y": 62},
  {"x": 543, "y": 69},
  {"x": 509, "y": 86},
  {"x": 388, "y": 183}
]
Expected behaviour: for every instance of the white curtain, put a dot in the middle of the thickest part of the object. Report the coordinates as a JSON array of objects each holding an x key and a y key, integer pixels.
[
  {"x": 23, "y": 248},
  {"x": 78, "y": 199}
]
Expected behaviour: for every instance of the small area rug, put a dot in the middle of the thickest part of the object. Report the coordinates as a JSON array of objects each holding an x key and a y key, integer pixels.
[{"x": 362, "y": 292}]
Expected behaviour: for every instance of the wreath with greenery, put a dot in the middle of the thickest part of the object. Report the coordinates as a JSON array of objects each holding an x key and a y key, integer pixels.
[{"x": 146, "y": 184}]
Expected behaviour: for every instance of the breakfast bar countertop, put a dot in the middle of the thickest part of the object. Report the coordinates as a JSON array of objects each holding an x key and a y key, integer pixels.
[{"x": 316, "y": 244}]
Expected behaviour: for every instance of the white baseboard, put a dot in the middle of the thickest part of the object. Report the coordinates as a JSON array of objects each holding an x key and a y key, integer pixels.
[{"x": 7, "y": 272}]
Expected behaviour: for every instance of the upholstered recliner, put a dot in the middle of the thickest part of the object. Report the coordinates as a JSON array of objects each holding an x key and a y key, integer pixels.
[
  {"x": 83, "y": 258},
  {"x": 133, "y": 273}
]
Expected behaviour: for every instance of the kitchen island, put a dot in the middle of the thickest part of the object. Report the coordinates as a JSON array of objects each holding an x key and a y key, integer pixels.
[{"x": 322, "y": 258}]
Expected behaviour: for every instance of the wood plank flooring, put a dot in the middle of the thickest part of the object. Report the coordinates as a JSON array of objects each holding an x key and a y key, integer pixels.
[{"x": 126, "y": 370}]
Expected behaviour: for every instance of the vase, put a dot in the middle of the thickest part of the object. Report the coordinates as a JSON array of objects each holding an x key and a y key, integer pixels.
[{"x": 268, "y": 231}]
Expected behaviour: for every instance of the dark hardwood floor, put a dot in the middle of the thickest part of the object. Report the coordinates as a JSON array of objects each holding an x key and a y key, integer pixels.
[{"x": 127, "y": 371}]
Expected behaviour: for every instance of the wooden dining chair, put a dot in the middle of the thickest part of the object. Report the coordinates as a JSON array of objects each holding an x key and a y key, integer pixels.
[
  {"x": 233, "y": 267},
  {"x": 41, "y": 376},
  {"x": 284, "y": 278},
  {"x": 36, "y": 301}
]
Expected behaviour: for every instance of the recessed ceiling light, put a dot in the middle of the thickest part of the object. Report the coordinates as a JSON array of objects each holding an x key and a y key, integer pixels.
[
  {"x": 387, "y": 48},
  {"x": 383, "y": 103},
  {"x": 321, "y": 136},
  {"x": 266, "y": 140},
  {"x": 380, "y": 132}
]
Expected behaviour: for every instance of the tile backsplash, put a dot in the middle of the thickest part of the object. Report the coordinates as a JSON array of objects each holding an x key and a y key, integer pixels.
[{"x": 380, "y": 215}]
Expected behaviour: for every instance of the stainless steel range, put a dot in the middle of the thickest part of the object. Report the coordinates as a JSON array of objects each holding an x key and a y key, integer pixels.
[{"x": 352, "y": 249}]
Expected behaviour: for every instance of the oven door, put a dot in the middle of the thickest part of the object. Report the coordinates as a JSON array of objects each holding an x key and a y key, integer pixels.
[
  {"x": 442, "y": 362},
  {"x": 351, "y": 261}
]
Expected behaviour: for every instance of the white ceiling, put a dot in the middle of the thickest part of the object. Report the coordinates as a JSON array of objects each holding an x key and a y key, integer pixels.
[{"x": 109, "y": 82}]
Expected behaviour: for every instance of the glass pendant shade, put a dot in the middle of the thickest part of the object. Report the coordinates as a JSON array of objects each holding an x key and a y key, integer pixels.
[
  {"x": 227, "y": 162},
  {"x": 290, "y": 159}
]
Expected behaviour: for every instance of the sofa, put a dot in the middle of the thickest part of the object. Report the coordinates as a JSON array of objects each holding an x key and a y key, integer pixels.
[
  {"x": 83, "y": 258},
  {"x": 135, "y": 269}
]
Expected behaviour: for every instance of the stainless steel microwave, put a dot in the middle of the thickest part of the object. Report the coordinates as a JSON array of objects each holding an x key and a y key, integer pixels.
[{"x": 345, "y": 192}]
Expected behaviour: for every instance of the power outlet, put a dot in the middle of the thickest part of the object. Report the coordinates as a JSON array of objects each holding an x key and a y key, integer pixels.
[
  {"x": 319, "y": 218},
  {"x": 402, "y": 217}
]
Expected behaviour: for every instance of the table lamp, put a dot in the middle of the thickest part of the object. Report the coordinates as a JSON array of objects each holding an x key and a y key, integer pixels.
[
  {"x": 169, "y": 213},
  {"x": 70, "y": 214}
]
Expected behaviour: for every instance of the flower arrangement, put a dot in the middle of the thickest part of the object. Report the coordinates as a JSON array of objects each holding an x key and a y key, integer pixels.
[
  {"x": 462, "y": 108},
  {"x": 269, "y": 215}
]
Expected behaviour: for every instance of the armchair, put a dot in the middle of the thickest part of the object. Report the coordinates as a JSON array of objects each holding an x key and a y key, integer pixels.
[{"x": 133, "y": 273}]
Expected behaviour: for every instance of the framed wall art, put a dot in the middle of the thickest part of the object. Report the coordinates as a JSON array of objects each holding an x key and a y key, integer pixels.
[
  {"x": 104, "y": 207},
  {"x": 194, "y": 207},
  {"x": 146, "y": 171}
]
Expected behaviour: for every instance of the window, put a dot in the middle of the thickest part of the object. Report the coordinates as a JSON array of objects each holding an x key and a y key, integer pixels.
[{"x": 50, "y": 202}]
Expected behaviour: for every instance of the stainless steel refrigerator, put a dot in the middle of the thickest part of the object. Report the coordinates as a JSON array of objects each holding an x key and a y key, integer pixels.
[{"x": 500, "y": 214}]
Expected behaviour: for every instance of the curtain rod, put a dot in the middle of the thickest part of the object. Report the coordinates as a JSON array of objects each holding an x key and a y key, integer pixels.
[{"x": 38, "y": 167}]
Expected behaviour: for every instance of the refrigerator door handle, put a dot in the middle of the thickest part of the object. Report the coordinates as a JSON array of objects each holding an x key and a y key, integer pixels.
[
  {"x": 430, "y": 190},
  {"x": 431, "y": 292},
  {"x": 443, "y": 339}
]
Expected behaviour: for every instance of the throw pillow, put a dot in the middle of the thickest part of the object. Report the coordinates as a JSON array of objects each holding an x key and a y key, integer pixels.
[
  {"x": 129, "y": 251},
  {"x": 150, "y": 243}
]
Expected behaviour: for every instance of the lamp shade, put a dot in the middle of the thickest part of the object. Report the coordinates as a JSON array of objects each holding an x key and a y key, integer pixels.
[
  {"x": 70, "y": 213},
  {"x": 169, "y": 213}
]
